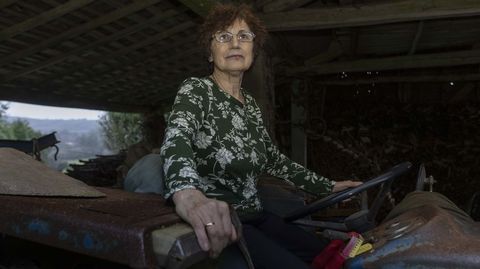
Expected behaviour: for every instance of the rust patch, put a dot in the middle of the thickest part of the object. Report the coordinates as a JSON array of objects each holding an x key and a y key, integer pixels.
[{"x": 115, "y": 228}]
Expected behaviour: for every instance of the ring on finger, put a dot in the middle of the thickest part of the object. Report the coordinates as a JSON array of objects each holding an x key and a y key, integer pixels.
[{"x": 209, "y": 224}]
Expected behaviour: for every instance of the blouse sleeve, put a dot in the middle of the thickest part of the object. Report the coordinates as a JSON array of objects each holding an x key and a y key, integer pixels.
[
  {"x": 182, "y": 125},
  {"x": 281, "y": 166}
]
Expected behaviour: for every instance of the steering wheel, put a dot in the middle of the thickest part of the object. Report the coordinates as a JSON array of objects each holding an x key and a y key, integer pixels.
[{"x": 337, "y": 197}]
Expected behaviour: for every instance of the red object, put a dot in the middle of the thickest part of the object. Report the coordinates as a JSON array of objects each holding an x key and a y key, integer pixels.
[
  {"x": 330, "y": 257},
  {"x": 335, "y": 262}
]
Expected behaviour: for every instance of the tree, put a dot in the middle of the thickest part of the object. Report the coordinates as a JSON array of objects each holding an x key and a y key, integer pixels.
[
  {"x": 121, "y": 130},
  {"x": 17, "y": 130},
  {"x": 3, "y": 108},
  {"x": 21, "y": 130}
]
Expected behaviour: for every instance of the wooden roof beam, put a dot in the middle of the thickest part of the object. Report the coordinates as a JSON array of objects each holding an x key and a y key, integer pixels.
[
  {"x": 107, "y": 18},
  {"x": 381, "y": 79},
  {"x": 43, "y": 18},
  {"x": 282, "y": 5},
  {"x": 40, "y": 97},
  {"x": 81, "y": 49},
  {"x": 375, "y": 14},
  {"x": 87, "y": 63},
  {"x": 135, "y": 73},
  {"x": 393, "y": 63},
  {"x": 201, "y": 7}
]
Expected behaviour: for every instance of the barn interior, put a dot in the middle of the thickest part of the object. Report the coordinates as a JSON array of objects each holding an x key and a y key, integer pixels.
[{"x": 347, "y": 87}]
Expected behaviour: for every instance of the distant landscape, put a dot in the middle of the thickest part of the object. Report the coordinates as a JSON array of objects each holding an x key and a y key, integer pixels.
[{"x": 79, "y": 139}]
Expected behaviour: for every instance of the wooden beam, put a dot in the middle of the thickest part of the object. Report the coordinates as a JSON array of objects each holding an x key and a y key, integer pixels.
[
  {"x": 107, "y": 18},
  {"x": 152, "y": 72},
  {"x": 80, "y": 49},
  {"x": 394, "y": 63},
  {"x": 114, "y": 79},
  {"x": 362, "y": 15},
  {"x": 399, "y": 79},
  {"x": 282, "y": 5},
  {"x": 170, "y": 82},
  {"x": 86, "y": 66},
  {"x": 133, "y": 73},
  {"x": 417, "y": 37},
  {"x": 42, "y": 18},
  {"x": 43, "y": 96},
  {"x": 201, "y": 7}
]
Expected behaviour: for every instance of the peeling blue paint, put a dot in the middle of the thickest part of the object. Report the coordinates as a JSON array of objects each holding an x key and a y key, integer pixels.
[
  {"x": 91, "y": 242},
  {"x": 39, "y": 226},
  {"x": 391, "y": 248},
  {"x": 88, "y": 242}
]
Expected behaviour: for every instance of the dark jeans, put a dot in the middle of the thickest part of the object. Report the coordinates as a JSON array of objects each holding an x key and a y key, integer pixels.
[{"x": 273, "y": 244}]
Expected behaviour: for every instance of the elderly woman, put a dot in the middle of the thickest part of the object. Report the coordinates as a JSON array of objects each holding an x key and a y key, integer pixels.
[{"x": 216, "y": 146}]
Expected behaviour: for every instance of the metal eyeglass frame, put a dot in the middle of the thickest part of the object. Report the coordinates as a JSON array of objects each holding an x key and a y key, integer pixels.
[{"x": 230, "y": 36}]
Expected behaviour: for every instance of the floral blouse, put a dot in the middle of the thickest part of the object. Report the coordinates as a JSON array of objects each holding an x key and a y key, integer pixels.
[{"x": 218, "y": 145}]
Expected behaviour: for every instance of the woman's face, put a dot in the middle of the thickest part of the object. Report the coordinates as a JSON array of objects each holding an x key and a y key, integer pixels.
[{"x": 233, "y": 56}]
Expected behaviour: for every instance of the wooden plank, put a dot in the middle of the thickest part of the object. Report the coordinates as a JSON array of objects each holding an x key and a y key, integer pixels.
[
  {"x": 345, "y": 2},
  {"x": 43, "y": 18},
  {"x": 169, "y": 82},
  {"x": 394, "y": 63},
  {"x": 86, "y": 66},
  {"x": 131, "y": 77},
  {"x": 362, "y": 15},
  {"x": 112, "y": 16},
  {"x": 25, "y": 94},
  {"x": 399, "y": 79},
  {"x": 105, "y": 40},
  {"x": 282, "y": 5},
  {"x": 135, "y": 72},
  {"x": 201, "y": 7},
  {"x": 170, "y": 78},
  {"x": 136, "y": 17}
]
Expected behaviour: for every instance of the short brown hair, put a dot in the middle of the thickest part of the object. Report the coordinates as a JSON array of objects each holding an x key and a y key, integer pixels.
[{"x": 222, "y": 16}]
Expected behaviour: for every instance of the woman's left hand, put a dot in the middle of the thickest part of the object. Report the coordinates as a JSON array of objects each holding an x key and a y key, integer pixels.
[{"x": 342, "y": 185}]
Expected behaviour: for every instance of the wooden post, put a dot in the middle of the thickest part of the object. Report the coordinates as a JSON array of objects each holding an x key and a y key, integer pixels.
[{"x": 259, "y": 81}]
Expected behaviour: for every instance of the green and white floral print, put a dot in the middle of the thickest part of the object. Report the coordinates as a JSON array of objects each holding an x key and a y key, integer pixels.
[{"x": 220, "y": 146}]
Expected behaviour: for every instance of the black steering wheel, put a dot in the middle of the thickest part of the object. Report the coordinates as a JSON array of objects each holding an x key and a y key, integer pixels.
[{"x": 337, "y": 197}]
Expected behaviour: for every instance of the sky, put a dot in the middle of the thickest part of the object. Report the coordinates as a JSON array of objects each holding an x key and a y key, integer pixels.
[{"x": 50, "y": 112}]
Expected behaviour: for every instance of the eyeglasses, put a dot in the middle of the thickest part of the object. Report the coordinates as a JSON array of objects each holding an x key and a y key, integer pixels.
[{"x": 225, "y": 36}]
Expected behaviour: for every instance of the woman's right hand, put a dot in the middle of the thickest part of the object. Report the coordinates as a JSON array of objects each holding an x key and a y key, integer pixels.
[{"x": 196, "y": 209}]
